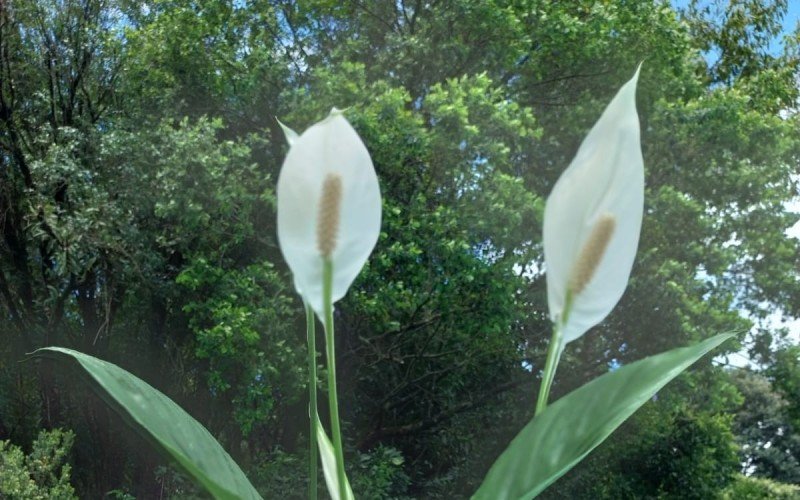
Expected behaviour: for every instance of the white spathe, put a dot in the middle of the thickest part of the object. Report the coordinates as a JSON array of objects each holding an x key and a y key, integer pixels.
[
  {"x": 329, "y": 147},
  {"x": 606, "y": 179}
]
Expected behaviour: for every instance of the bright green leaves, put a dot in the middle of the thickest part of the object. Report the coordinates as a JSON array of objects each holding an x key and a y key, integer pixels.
[
  {"x": 561, "y": 436},
  {"x": 43, "y": 473},
  {"x": 173, "y": 430},
  {"x": 238, "y": 320}
]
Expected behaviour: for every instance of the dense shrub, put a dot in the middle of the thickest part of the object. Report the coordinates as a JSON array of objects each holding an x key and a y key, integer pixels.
[{"x": 41, "y": 474}]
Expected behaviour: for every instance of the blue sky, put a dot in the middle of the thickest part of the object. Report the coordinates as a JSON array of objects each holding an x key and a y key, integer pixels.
[{"x": 789, "y": 21}]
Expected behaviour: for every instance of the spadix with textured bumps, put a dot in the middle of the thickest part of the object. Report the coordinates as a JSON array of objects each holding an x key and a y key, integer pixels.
[
  {"x": 329, "y": 207},
  {"x": 593, "y": 218}
]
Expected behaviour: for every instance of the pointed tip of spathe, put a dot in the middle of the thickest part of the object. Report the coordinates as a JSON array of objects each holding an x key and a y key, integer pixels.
[
  {"x": 291, "y": 135},
  {"x": 626, "y": 95},
  {"x": 334, "y": 114},
  {"x": 630, "y": 85},
  {"x": 336, "y": 111},
  {"x": 638, "y": 69}
]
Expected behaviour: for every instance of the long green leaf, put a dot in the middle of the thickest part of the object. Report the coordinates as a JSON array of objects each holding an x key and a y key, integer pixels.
[
  {"x": 169, "y": 426},
  {"x": 328, "y": 457},
  {"x": 563, "y": 434}
]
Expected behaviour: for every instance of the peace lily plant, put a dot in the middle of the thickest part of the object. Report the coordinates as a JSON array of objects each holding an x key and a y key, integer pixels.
[
  {"x": 592, "y": 221},
  {"x": 329, "y": 217},
  {"x": 329, "y": 208}
]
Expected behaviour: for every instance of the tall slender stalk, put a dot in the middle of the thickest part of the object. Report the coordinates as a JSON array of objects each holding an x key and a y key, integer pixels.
[
  {"x": 312, "y": 403},
  {"x": 553, "y": 356},
  {"x": 333, "y": 401},
  {"x": 554, "y": 351}
]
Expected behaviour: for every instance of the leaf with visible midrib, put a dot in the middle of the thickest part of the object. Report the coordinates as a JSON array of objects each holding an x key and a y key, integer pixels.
[
  {"x": 175, "y": 431},
  {"x": 564, "y": 433}
]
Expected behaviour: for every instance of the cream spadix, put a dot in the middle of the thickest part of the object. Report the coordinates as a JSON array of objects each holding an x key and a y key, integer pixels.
[
  {"x": 329, "y": 207},
  {"x": 593, "y": 218}
]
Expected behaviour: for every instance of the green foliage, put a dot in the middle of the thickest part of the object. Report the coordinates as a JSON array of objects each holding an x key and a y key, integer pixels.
[
  {"x": 42, "y": 474},
  {"x": 755, "y": 488},
  {"x": 379, "y": 474},
  {"x": 693, "y": 457},
  {"x": 281, "y": 474},
  {"x": 784, "y": 373},
  {"x": 120, "y": 495},
  {"x": 175, "y": 484},
  {"x": 233, "y": 324},
  {"x": 770, "y": 445}
]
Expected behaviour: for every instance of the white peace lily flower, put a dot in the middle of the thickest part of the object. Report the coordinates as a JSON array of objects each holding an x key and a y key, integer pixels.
[
  {"x": 593, "y": 218},
  {"x": 329, "y": 207}
]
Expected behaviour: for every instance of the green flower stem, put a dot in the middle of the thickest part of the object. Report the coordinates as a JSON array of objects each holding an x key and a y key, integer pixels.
[
  {"x": 554, "y": 351},
  {"x": 327, "y": 304},
  {"x": 312, "y": 403},
  {"x": 553, "y": 356}
]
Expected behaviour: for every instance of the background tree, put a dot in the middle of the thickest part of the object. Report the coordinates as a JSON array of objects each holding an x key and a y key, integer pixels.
[{"x": 769, "y": 443}]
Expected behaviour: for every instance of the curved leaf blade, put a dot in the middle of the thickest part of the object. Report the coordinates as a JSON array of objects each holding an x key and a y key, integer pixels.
[
  {"x": 563, "y": 434},
  {"x": 167, "y": 424},
  {"x": 328, "y": 457}
]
